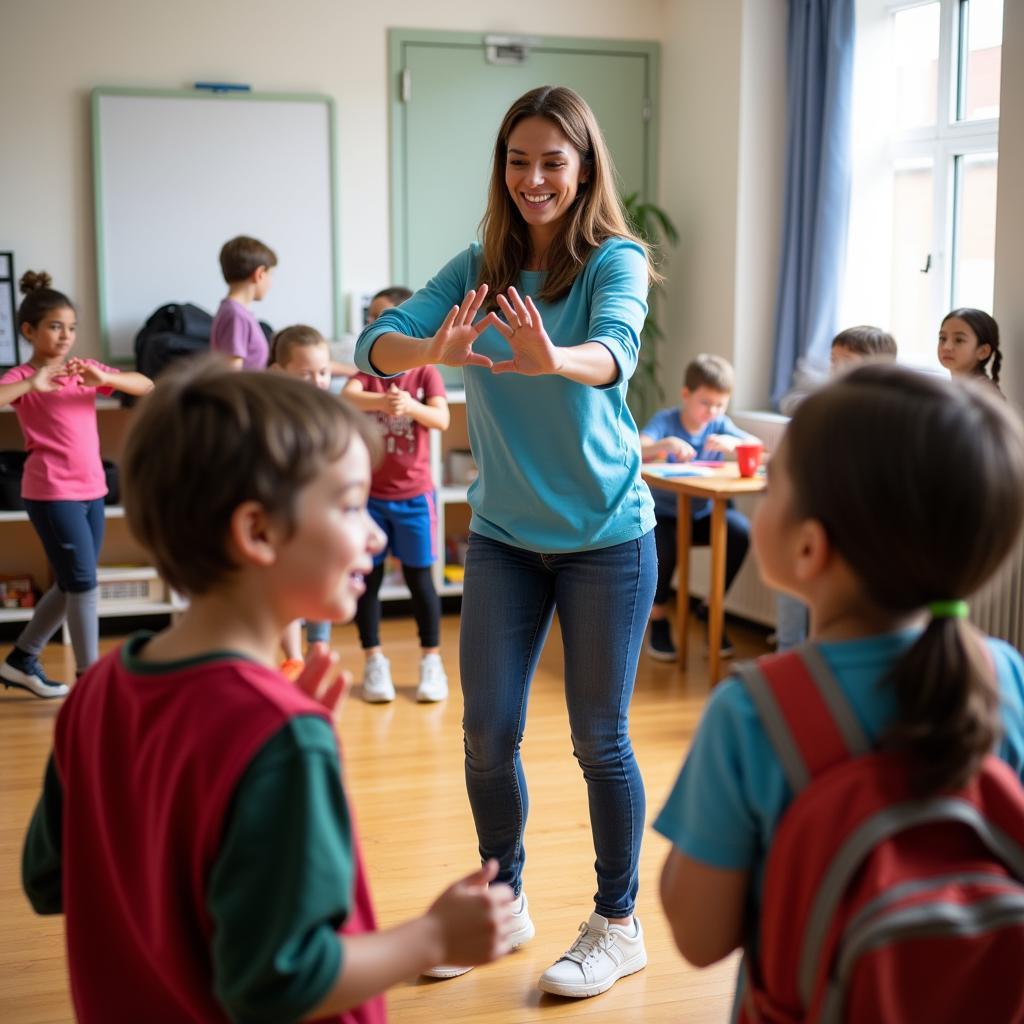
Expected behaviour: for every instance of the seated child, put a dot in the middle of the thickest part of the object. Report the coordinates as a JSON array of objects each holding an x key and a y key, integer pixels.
[
  {"x": 406, "y": 409},
  {"x": 193, "y": 827},
  {"x": 247, "y": 265},
  {"x": 969, "y": 345},
  {"x": 302, "y": 352},
  {"x": 874, "y": 538},
  {"x": 849, "y": 347},
  {"x": 386, "y": 298},
  {"x": 697, "y": 429}
]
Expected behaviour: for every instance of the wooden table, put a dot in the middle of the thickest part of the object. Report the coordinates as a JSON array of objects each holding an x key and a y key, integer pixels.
[{"x": 718, "y": 486}]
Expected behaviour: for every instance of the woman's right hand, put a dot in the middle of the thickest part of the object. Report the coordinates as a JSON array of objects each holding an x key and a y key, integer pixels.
[{"x": 453, "y": 343}]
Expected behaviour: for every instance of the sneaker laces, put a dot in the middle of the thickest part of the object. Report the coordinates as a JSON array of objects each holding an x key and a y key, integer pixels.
[{"x": 589, "y": 943}]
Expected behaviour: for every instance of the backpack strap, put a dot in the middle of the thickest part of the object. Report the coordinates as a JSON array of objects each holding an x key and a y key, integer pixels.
[{"x": 804, "y": 712}]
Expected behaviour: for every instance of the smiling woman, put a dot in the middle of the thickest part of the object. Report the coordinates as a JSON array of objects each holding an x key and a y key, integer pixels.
[{"x": 545, "y": 316}]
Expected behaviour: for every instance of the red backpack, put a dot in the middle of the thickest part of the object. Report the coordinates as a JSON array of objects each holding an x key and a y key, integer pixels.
[{"x": 879, "y": 906}]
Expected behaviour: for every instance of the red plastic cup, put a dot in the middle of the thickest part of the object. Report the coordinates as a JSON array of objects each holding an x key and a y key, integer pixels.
[{"x": 748, "y": 458}]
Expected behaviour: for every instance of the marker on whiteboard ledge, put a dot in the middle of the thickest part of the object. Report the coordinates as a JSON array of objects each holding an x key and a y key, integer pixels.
[{"x": 223, "y": 86}]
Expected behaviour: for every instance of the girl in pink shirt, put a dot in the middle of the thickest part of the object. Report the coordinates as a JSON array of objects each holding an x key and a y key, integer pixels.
[{"x": 54, "y": 398}]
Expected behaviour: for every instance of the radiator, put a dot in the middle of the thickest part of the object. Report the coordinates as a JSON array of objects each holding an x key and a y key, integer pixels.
[{"x": 998, "y": 608}]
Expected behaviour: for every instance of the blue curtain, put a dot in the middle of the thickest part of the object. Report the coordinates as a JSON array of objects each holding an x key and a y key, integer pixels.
[{"x": 819, "y": 84}]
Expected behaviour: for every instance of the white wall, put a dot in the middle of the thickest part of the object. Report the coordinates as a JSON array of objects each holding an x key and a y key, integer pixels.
[
  {"x": 1008, "y": 305},
  {"x": 53, "y": 52},
  {"x": 723, "y": 133}
]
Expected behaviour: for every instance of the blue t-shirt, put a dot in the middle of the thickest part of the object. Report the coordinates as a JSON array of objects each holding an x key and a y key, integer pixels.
[
  {"x": 669, "y": 423},
  {"x": 558, "y": 461},
  {"x": 731, "y": 792}
]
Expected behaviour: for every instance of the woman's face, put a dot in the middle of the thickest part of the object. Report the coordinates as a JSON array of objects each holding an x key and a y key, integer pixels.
[
  {"x": 542, "y": 173},
  {"x": 959, "y": 351}
]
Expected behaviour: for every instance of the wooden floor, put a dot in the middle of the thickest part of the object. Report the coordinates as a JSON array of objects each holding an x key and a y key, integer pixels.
[{"x": 403, "y": 763}]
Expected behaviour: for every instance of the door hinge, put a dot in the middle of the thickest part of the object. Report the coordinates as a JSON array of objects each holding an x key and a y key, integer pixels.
[
  {"x": 405, "y": 85},
  {"x": 646, "y": 113}
]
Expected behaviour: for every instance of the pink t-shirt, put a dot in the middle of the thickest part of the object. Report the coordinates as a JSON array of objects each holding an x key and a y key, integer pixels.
[
  {"x": 236, "y": 332},
  {"x": 61, "y": 438},
  {"x": 405, "y": 469}
]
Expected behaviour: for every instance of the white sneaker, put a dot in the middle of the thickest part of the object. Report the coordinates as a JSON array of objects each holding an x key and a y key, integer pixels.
[
  {"x": 601, "y": 954},
  {"x": 522, "y": 933},
  {"x": 28, "y": 675},
  {"x": 377, "y": 685},
  {"x": 433, "y": 681}
]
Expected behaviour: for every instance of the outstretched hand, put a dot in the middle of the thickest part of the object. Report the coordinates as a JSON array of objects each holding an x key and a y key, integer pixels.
[
  {"x": 532, "y": 350},
  {"x": 474, "y": 919},
  {"x": 452, "y": 345},
  {"x": 322, "y": 680}
]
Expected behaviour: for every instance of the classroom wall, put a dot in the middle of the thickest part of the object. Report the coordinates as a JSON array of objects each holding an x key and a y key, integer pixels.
[
  {"x": 1008, "y": 304},
  {"x": 53, "y": 52},
  {"x": 723, "y": 66}
]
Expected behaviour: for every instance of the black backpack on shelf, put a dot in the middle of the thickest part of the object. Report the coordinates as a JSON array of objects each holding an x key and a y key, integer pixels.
[{"x": 172, "y": 332}]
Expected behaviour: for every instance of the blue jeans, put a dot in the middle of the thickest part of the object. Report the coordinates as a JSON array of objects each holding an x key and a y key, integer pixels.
[
  {"x": 603, "y": 599},
  {"x": 72, "y": 535}
]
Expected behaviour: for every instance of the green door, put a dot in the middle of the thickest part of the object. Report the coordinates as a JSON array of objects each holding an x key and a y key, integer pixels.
[{"x": 449, "y": 98}]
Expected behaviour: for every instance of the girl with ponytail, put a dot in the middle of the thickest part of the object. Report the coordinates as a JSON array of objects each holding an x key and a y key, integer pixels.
[
  {"x": 969, "y": 345},
  {"x": 894, "y": 496}
]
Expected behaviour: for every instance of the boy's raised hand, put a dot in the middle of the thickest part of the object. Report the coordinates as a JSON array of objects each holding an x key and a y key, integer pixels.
[
  {"x": 474, "y": 919},
  {"x": 453, "y": 343},
  {"x": 321, "y": 678}
]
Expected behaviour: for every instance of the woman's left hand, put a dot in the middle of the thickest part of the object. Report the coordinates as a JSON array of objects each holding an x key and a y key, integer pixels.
[{"x": 532, "y": 351}]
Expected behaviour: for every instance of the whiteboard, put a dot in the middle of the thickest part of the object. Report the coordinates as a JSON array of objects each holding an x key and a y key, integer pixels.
[{"x": 177, "y": 174}]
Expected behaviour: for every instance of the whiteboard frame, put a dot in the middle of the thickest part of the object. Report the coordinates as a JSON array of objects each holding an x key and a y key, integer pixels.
[{"x": 100, "y": 92}]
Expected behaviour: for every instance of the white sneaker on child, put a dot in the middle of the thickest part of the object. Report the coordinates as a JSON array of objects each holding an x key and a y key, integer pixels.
[
  {"x": 522, "y": 932},
  {"x": 601, "y": 954},
  {"x": 433, "y": 680},
  {"x": 377, "y": 685}
]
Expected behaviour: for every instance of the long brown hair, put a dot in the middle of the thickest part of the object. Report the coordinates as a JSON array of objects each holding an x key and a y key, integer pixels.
[
  {"x": 596, "y": 214},
  {"x": 919, "y": 484}
]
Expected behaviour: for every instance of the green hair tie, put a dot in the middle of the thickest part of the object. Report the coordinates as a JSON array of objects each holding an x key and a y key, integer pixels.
[{"x": 948, "y": 609}]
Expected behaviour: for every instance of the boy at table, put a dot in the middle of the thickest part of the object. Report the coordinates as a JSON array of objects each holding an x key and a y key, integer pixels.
[{"x": 696, "y": 429}]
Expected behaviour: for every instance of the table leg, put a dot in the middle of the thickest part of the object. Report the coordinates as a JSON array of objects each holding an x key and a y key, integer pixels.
[
  {"x": 716, "y": 598},
  {"x": 683, "y": 569}
]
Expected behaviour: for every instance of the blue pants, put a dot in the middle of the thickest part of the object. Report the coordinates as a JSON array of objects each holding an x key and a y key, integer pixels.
[
  {"x": 737, "y": 540},
  {"x": 603, "y": 599},
  {"x": 72, "y": 535}
]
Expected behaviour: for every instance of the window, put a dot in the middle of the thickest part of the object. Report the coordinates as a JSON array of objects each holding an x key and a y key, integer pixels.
[{"x": 926, "y": 130}]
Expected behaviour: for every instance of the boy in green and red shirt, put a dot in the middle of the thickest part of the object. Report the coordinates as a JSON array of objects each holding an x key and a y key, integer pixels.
[{"x": 193, "y": 828}]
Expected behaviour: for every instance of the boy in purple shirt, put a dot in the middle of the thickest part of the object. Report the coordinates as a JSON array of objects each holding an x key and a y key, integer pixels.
[{"x": 247, "y": 265}]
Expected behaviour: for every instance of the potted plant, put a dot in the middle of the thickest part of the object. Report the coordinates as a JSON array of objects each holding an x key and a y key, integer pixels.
[{"x": 654, "y": 226}]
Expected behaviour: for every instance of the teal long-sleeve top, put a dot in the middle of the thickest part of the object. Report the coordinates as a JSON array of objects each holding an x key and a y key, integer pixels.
[{"x": 559, "y": 461}]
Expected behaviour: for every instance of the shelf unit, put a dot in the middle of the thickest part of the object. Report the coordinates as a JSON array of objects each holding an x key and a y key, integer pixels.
[
  {"x": 21, "y": 551},
  {"x": 453, "y": 510}
]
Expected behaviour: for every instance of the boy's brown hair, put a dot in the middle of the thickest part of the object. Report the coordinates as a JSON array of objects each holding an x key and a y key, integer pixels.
[
  {"x": 708, "y": 371},
  {"x": 866, "y": 340},
  {"x": 286, "y": 341},
  {"x": 208, "y": 439},
  {"x": 243, "y": 256}
]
